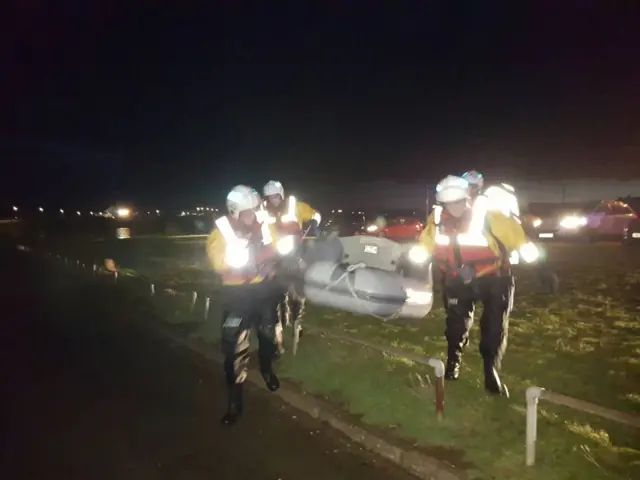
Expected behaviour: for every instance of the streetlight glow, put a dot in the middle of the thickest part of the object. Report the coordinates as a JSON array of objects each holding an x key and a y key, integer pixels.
[{"x": 123, "y": 212}]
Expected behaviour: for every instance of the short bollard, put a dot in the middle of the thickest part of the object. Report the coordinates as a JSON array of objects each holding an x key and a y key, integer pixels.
[
  {"x": 194, "y": 299},
  {"x": 207, "y": 304}
]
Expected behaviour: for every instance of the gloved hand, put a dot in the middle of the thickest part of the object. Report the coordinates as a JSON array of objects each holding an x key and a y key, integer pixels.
[{"x": 549, "y": 282}]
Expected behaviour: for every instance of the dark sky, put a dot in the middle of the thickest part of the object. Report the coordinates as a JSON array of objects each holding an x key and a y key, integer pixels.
[{"x": 101, "y": 99}]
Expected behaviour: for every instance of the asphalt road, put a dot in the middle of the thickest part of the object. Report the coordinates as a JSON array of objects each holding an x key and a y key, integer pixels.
[{"x": 94, "y": 397}]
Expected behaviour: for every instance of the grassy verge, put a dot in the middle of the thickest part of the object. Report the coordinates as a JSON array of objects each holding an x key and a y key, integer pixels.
[{"x": 583, "y": 343}]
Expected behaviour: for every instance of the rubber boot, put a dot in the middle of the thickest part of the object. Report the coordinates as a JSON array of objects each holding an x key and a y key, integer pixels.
[
  {"x": 234, "y": 405},
  {"x": 452, "y": 370},
  {"x": 492, "y": 383},
  {"x": 271, "y": 381},
  {"x": 454, "y": 360}
]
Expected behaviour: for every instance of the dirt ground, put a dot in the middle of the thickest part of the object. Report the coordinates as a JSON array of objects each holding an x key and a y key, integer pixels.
[{"x": 94, "y": 397}]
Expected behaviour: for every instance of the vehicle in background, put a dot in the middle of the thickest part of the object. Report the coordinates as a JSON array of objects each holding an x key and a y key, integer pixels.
[
  {"x": 531, "y": 223},
  {"x": 607, "y": 219},
  {"x": 631, "y": 235},
  {"x": 344, "y": 224},
  {"x": 397, "y": 225}
]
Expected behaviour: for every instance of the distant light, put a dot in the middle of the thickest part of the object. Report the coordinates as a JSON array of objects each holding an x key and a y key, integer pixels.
[
  {"x": 15, "y": 209},
  {"x": 123, "y": 212},
  {"x": 62, "y": 211},
  {"x": 41, "y": 209},
  {"x": 78, "y": 213},
  {"x": 123, "y": 233},
  {"x": 157, "y": 212},
  {"x": 182, "y": 214},
  {"x": 90, "y": 213},
  {"x": 339, "y": 211}
]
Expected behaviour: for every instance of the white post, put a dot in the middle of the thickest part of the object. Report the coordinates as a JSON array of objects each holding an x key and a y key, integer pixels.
[
  {"x": 207, "y": 304},
  {"x": 194, "y": 298},
  {"x": 95, "y": 268},
  {"x": 153, "y": 289},
  {"x": 532, "y": 396},
  {"x": 297, "y": 328}
]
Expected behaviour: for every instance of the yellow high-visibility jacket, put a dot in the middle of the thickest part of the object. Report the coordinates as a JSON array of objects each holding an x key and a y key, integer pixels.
[
  {"x": 502, "y": 233},
  {"x": 303, "y": 214},
  {"x": 217, "y": 253}
]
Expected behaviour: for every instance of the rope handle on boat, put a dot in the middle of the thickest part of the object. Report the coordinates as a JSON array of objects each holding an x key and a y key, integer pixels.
[{"x": 345, "y": 276}]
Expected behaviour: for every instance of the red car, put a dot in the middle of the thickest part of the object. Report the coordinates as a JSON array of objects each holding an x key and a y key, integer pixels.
[{"x": 397, "y": 226}]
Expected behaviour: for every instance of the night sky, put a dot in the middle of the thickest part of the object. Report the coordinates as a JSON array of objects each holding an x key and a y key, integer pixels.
[{"x": 167, "y": 104}]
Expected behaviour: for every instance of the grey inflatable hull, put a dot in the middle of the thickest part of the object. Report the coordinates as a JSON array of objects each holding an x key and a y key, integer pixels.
[{"x": 365, "y": 281}]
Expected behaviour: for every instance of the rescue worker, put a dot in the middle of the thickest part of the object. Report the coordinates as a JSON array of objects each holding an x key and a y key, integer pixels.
[
  {"x": 501, "y": 198},
  {"x": 288, "y": 216},
  {"x": 242, "y": 252},
  {"x": 470, "y": 245},
  {"x": 476, "y": 183}
]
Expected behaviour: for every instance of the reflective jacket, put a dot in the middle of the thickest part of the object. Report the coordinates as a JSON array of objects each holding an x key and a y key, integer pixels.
[
  {"x": 502, "y": 198},
  {"x": 289, "y": 218},
  {"x": 237, "y": 253},
  {"x": 480, "y": 240}
]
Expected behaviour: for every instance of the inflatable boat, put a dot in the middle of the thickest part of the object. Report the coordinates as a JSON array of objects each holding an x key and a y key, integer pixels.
[{"x": 368, "y": 276}]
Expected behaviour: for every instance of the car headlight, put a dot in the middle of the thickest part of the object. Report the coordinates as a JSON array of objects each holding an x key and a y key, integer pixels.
[
  {"x": 529, "y": 252},
  {"x": 572, "y": 222},
  {"x": 237, "y": 257},
  {"x": 536, "y": 222},
  {"x": 372, "y": 228},
  {"x": 418, "y": 254},
  {"x": 286, "y": 245}
]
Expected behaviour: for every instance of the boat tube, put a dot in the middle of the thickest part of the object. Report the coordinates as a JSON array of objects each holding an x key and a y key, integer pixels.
[{"x": 368, "y": 276}]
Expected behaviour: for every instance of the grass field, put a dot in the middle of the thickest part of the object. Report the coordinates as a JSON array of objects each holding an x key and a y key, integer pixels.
[{"x": 584, "y": 343}]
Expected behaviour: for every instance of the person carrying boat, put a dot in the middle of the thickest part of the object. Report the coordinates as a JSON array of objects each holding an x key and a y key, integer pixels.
[
  {"x": 287, "y": 216},
  {"x": 470, "y": 246},
  {"x": 500, "y": 197},
  {"x": 476, "y": 183},
  {"x": 241, "y": 250}
]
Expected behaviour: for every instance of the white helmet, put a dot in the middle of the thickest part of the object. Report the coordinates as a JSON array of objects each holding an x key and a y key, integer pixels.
[
  {"x": 242, "y": 198},
  {"x": 273, "y": 187},
  {"x": 452, "y": 189},
  {"x": 474, "y": 178}
]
